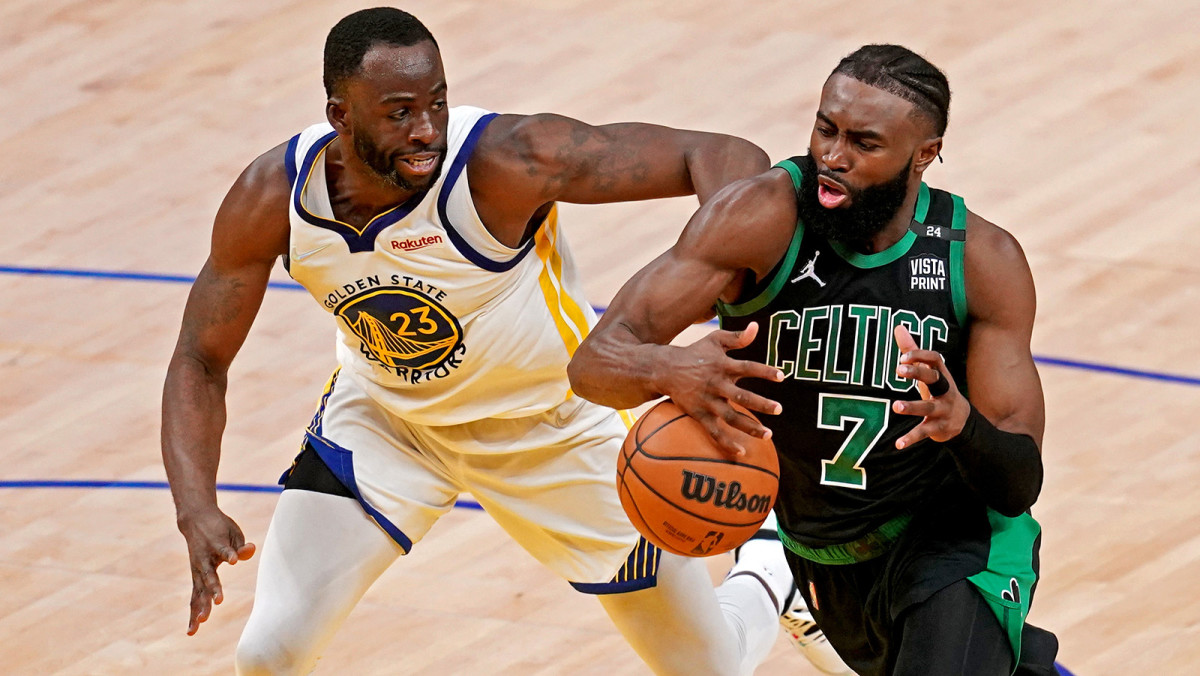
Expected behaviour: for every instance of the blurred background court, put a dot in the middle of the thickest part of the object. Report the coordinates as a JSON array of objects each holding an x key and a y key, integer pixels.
[{"x": 1073, "y": 125}]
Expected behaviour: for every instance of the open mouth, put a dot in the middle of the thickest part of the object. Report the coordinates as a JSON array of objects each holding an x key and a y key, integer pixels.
[
  {"x": 830, "y": 193},
  {"x": 421, "y": 163}
]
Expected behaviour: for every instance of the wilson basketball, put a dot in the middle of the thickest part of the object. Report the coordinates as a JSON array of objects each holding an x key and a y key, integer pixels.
[{"x": 686, "y": 495}]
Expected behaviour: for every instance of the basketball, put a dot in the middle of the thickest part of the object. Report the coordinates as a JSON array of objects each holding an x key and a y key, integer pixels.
[{"x": 687, "y": 496}]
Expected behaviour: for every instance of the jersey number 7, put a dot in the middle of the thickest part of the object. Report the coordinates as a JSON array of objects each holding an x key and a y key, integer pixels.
[{"x": 869, "y": 418}]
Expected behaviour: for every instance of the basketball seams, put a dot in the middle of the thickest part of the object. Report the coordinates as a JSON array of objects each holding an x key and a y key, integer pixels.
[
  {"x": 667, "y": 458},
  {"x": 683, "y": 520},
  {"x": 659, "y": 428}
]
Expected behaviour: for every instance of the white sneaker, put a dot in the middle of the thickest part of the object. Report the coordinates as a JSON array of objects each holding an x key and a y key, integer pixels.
[{"x": 808, "y": 638}]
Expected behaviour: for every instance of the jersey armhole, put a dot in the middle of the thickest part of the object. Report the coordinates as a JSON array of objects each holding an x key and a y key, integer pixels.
[
  {"x": 456, "y": 170},
  {"x": 289, "y": 160},
  {"x": 782, "y": 269},
  {"x": 958, "y": 284},
  {"x": 792, "y": 169}
]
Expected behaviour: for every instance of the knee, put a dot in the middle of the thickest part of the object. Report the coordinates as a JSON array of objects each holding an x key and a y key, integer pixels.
[{"x": 259, "y": 656}]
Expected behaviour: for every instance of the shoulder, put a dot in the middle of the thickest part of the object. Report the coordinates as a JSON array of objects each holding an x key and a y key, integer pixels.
[
  {"x": 990, "y": 242},
  {"x": 266, "y": 180},
  {"x": 748, "y": 225},
  {"x": 253, "y": 220},
  {"x": 510, "y": 137},
  {"x": 998, "y": 278}
]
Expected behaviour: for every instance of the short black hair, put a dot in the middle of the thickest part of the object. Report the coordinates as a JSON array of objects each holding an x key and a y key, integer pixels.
[
  {"x": 900, "y": 71},
  {"x": 352, "y": 37}
]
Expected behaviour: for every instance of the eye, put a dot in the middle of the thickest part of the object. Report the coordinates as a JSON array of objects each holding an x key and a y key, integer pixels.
[
  {"x": 866, "y": 147},
  {"x": 401, "y": 114},
  {"x": 826, "y": 132},
  {"x": 439, "y": 105}
]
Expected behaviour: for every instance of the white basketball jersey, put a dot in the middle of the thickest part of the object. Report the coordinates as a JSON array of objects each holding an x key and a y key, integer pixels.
[{"x": 439, "y": 322}]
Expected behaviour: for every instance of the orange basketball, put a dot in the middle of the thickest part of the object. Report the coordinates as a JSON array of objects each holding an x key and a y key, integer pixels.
[{"x": 686, "y": 495}]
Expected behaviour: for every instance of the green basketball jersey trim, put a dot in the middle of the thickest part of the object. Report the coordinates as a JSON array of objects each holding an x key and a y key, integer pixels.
[
  {"x": 958, "y": 284},
  {"x": 893, "y": 252},
  {"x": 785, "y": 269}
]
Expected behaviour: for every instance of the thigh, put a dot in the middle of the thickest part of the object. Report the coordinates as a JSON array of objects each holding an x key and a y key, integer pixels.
[
  {"x": 952, "y": 633},
  {"x": 400, "y": 484},
  {"x": 320, "y": 555},
  {"x": 844, "y": 602},
  {"x": 558, "y": 498}
]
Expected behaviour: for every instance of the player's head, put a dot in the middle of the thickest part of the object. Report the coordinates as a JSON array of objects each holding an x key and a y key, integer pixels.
[
  {"x": 387, "y": 95},
  {"x": 879, "y": 125}
]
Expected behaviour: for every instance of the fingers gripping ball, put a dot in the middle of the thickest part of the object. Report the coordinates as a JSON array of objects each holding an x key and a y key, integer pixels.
[{"x": 687, "y": 496}]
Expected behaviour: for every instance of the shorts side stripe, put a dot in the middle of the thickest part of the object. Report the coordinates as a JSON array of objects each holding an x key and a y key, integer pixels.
[
  {"x": 640, "y": 571},
  {"x": 341, "y": 462},
  {"x": 319, "y": 416}
]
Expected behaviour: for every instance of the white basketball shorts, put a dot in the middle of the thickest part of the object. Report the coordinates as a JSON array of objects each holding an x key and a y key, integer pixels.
[{"x": 547, "y": 479}]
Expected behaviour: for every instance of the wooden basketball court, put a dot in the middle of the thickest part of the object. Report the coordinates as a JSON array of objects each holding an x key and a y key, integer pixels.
[{"x": 125, "y": 121}]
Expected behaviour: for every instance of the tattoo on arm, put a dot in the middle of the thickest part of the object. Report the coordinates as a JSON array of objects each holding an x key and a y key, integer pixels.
[
  {"x": 588, "y": 152},
  {"x": 227, "y": 299}
]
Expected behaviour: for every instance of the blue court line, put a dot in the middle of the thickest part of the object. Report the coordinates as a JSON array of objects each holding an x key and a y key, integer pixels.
[
  {"x": 127, "y": 276},
  {"x": 1095, "y": 367},
  {"x": 237, "y": 488},
  {"x": 1117, "y": 370},
  {"x": 162, "y": 485}
]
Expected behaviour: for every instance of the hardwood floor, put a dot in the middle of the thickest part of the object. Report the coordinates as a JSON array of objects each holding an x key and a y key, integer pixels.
[{"x": 1072, "y": 126}]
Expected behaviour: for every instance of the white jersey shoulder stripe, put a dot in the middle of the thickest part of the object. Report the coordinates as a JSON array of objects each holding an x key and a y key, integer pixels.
[
  {"x": 456, "y": 238},
  {"x": 289, "y": 160}
]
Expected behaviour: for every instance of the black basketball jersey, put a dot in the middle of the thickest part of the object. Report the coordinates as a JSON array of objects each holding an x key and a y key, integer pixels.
[{"x": 826, "y": 315}]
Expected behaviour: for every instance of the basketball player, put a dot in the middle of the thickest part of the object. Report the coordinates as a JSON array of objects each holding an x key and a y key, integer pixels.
[
  {"x": 431, "y": 234},
  {"x": 894, "y": 327}
]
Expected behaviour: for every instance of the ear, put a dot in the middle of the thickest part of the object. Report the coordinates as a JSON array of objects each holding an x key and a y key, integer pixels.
[
  {"x": 336, "y": 113},
  {"x": 926, "y": 153}
]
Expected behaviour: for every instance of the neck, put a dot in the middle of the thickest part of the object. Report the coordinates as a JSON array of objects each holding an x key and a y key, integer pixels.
[
  {"x": 353, "y": 185},
  {"x": 898, "y": 226}
]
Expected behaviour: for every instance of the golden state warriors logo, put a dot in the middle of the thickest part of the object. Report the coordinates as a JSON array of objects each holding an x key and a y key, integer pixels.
[{"x": 402, "y": 329}]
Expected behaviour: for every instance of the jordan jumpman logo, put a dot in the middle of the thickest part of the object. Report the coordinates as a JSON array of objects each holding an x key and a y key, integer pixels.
[{"x": 809, "y": 272}]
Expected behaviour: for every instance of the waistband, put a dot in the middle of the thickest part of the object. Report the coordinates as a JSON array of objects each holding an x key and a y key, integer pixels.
[{"x": 865, "y": 548}]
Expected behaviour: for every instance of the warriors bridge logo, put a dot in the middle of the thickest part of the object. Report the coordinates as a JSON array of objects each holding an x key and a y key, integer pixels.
[{"x": 405, "y": 331}]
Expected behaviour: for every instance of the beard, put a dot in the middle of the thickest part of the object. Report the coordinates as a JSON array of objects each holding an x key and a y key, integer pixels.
[
  {"x": 383, "y": 165},
  {"x": 869, "y": 211}
]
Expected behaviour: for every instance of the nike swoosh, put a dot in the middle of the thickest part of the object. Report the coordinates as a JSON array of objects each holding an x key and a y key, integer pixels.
[{"x": 301, "y": 256}]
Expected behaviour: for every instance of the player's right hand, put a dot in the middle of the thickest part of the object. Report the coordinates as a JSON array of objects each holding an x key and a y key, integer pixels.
[
  {"x": 212, "y": 539},
  {"x": 703, "y": 382}
]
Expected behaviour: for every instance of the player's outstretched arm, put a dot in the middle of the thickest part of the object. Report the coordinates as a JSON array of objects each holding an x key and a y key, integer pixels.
[
  {"x": 995, "y": 436},
  {"x": 524, "y": 162},
  {"x": 249, "y": 233},
  {"x": 626, "y": 360}
]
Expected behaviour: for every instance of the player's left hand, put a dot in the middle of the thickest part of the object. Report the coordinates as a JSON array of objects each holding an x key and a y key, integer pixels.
[{"x": 944, "y": 413}]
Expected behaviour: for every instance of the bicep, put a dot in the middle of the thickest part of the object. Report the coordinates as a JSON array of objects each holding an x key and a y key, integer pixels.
[
  {"x": 1002, "y": 378},
  {"x": 570, "y": 161},
  {"x": 249, "y": 233},
  {"x": 745, "y": 228}
]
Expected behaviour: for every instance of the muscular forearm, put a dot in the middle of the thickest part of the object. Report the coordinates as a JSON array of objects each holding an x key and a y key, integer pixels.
[
  {"x": 617, "y": 372},
  {"x": 193, "y": 419},
  {"x": 722, "y": 161},
  {"x": 1004, "y": 468}
]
